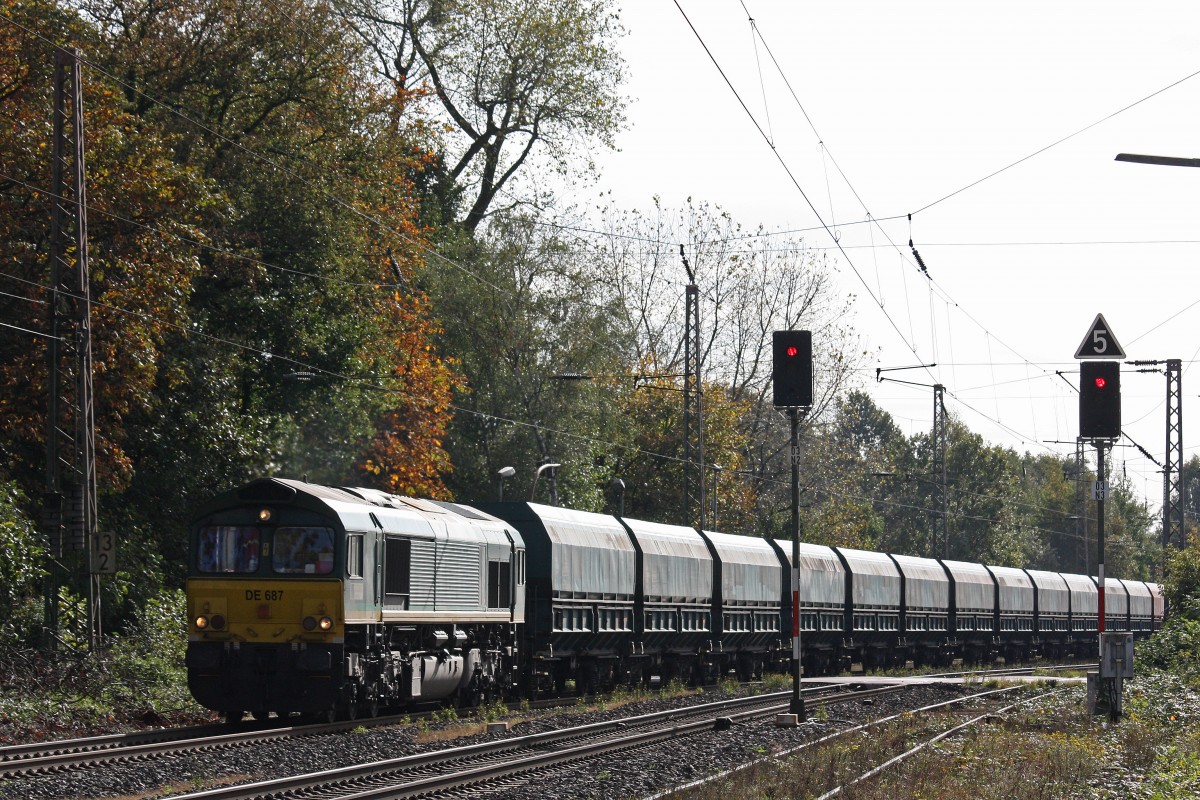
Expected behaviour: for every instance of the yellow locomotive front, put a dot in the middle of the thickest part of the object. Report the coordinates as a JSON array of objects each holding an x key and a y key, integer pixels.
[{"x": 266, "y": 627}]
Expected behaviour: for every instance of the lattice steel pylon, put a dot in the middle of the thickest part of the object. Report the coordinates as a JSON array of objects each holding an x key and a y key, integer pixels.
[
  {"x": 1173, "y": 499},
  {"x": 70, "y": 420},
  {"x": 940, "y": 527},
  {"x": 693, "y": 406}
]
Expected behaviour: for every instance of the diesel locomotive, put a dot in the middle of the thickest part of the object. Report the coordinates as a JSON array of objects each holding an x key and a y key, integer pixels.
[{"x": 334, "y": 602}]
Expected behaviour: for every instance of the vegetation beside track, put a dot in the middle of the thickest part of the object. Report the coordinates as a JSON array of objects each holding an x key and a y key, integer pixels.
[
  {"x": 138, "y": 680},
  {"x": 1050, "y": 750}
]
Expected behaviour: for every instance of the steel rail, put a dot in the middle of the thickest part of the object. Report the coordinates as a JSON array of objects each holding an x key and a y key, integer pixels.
[
  {"x": 932, "y": 740},
  {"x": 517, "y": 754},
  {"x": 46, "y": 757}
]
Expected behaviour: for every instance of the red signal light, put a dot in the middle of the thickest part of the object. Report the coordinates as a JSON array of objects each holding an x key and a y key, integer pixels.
[
  {"x": 1101, "y": 383},
  {"x": 792, "y": 351}
]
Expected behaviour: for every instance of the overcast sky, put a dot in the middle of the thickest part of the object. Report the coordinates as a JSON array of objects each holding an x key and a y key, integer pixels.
[{"x": 916, "y": 102}]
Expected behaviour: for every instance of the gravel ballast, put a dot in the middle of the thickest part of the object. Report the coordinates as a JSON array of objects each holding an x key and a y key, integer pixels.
[{"x": 637, "y": 774}]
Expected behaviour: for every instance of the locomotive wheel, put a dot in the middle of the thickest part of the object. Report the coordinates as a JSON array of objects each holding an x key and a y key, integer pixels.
[
  {"x": 259, "y": 714},
  {"x": 371, "y": 708},
  {"x": 233, "y": 717}
]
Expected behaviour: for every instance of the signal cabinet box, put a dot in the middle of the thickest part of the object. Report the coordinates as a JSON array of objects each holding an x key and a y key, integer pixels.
[{"x": 1116, "y": 655}]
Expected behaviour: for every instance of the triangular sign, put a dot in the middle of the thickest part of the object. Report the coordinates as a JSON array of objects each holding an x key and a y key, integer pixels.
[{"x": 1100, "y": 342}]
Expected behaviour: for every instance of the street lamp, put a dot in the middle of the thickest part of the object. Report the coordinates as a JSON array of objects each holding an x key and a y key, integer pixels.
[
  {"x": 503, "y": 474},
  {"x": 1166, "y": 161},
  {"x": 618, "y": 487},
  {"x": 537, "y": 475},
  {"x": 1080, "y": 524},
  {"x": 716, "y": 485},
  {"x": 1174, "y": 489}
]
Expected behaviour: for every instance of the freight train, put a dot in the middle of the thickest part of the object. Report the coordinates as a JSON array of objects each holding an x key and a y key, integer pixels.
[{"x": 335, "y": 602}]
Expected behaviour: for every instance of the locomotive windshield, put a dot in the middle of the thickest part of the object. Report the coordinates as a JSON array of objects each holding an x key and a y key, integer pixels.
[
  {"x": 303, "y": 551},
  {"x": 228, "y": 548}
]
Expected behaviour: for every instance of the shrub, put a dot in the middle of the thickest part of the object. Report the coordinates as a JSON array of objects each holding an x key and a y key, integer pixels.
[
  {"x": 21, "y": 571},
  {"x": 147, "y": 663}
]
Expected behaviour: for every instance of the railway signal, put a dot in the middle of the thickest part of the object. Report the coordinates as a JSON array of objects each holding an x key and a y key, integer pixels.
[
  {"x": 1100, "y": 421},
  {"x": 792, "y": 369},
  {"x": 1100, "y": 400},
  {"x": 792, "y": 380}
]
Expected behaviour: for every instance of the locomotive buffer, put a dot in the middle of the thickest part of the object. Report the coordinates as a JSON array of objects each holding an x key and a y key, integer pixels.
[{"x": 792, "y": 382}]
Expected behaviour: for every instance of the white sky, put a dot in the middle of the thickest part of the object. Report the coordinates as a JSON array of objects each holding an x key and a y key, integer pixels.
[{"x": 916, "y": 101}]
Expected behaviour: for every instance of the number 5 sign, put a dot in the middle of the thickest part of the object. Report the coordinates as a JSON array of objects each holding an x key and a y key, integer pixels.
[{"x": 1100, "y": 342}]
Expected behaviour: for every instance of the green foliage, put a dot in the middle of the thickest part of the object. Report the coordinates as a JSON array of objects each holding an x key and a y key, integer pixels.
[
  {"x": 877, "y": 489},
  {"x": 490, "y": 712},
  {"x": 536, "y": 81},
  {"x": 20, "y": 568},
  {"x": 147, "y": 664},
  {"x": 529, "y": 313},
  {"x": 1182, "y": 584},
  {"x": 139, "y": 677},
  {"x": 1176, "y": 648},
  {"x": 447, "y": 714}
]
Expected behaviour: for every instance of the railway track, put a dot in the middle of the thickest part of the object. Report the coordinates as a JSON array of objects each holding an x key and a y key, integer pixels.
[
  {"x": 470, "y": 766},
  {"x": 974, "y": 719},
  {"x": 48, "y": 757},
  {"x": 1026, "y": 670},
  {"x": 40, "y": 758},
  {"x": 66, "y": 754},
  {"x": 946, "y": 717}
]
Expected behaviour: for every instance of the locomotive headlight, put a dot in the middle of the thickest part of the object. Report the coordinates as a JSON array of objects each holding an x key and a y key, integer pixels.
[
  {"x": 309, "y": 623},
  {"x": 325, "y": 623},
  {"x": 217, "y": 622},
  {"x": 202, "y": 622},
  {"x": 264, "y": 515}
]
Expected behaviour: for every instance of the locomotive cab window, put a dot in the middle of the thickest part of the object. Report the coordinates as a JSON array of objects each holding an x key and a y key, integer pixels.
[
  {"x": 228, "y": 548},
  {"x": 354, "y": 555},
  {"x": 397, "y": 566},
  {"x": 499, "y": 584},
  {"x": 302, "y": 551}
]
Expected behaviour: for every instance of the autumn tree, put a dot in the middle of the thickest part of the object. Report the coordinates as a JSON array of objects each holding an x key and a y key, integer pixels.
[
  {"x": 146, "y": 215},
  {"x": 254, "y": 203},
  {"x": 523, "y": 86},
  {"x": 750, "y": 284},
  {"x": 309, "y": 304}
]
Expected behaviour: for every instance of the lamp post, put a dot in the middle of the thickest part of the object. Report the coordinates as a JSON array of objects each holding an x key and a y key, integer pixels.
[
  {"x": 716, "y": 484},
  {"x": 537, "y": 475},
  {"x": 1174, "y": 489},
  {"x": 1080, "y": 524},
  {"x": 618, "y": 487},
  {"x": 503, "y": 474}
]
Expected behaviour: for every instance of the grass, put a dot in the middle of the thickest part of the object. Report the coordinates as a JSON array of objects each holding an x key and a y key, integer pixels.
[{"x": 1049, "y": 751}]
